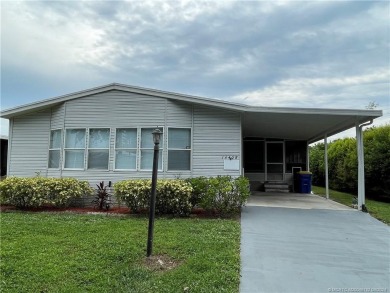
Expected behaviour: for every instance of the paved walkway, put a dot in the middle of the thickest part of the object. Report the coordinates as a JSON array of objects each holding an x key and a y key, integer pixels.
[{"x": 312, "y": 249}]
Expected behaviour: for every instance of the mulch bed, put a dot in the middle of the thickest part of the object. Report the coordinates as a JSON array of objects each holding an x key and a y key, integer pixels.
[
  {"x": 79, "y": 210},
  {"x": 195, "y": 213}
]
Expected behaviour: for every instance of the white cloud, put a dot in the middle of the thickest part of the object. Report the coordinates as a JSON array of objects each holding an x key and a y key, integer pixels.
[
  {"x": 47, "y": 40},
  {"x": 329, "y": 92},
  {"x": 305, "y": 54}
]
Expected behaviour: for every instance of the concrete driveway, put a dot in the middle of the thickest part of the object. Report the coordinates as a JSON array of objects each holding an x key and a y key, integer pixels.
[
  {"x": 294, "y": 200},
  {"x": 312, "y": 248}
]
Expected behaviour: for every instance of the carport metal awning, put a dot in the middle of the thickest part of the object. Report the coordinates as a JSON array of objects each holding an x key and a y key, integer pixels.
[
  {"x": 311, "y": 125},
  {"x": 302, "y": 124}
]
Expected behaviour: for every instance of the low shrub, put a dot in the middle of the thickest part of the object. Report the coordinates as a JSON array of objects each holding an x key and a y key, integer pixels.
[
  {"x": 222, "y": 193},
  {"x": 134, "y": 193},
  {"x": 102, "y": 197},
  {"x": 173, "y": 196},
  {"x": 38, "y": 191},
  {"x": 199, "y": 185}
]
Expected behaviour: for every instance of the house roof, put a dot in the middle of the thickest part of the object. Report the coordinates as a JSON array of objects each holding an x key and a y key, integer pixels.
[{"x": 274, "y": 122}]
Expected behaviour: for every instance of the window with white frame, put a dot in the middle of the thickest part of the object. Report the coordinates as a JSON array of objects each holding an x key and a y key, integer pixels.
[
  {"x": 98, "y": 148},
  {"x": 146, "y": 149},
  {"x": 179, "y": 149},
  {"x": 74, "y": 149},
  {"x": 126, "y": 149},
  {"x": 55, "y": 148}
]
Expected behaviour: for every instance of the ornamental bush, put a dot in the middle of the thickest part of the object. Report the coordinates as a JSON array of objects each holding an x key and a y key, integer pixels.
[
  {"x": 134, "y": 193},
  {"x": 38, "y": 191},
  {"x": 199, "y": 185},
  {"x": 173, "y": 196},
  {"x": 224, "y": 194},
  {"x": 63, "y": 190}
]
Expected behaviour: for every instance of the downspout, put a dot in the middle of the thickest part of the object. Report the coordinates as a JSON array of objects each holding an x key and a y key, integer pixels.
[
  {"x": 307, "y": 157},
  {"x": 9, "y": 142},
  {"x": 360, "y": 154},
  {"x": 326, "y": 167}
]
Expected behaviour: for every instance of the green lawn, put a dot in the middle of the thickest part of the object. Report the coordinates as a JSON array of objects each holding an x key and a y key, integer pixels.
[
  {"x": 64, "y": 252},
  {"x": 377, "y": 209}
]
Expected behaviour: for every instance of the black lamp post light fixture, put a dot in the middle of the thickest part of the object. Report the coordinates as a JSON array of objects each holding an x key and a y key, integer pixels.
[{"x": 152, "y": 206}]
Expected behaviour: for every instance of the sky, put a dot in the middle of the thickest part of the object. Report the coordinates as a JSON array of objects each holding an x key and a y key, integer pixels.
[{"x": 317, "y": 54}]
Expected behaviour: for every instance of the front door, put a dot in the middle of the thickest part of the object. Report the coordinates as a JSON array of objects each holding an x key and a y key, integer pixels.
[{"x": 274, "y": 161}]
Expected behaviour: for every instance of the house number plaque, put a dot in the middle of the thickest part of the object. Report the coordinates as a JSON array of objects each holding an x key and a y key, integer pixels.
[{"x": 231, "y": 163}]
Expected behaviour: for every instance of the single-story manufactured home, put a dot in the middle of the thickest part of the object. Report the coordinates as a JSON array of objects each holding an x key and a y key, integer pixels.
[{"x": 104, "y": 133}]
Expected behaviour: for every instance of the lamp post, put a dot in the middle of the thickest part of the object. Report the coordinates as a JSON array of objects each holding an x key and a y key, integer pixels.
[{"x": 152, "y": 206}]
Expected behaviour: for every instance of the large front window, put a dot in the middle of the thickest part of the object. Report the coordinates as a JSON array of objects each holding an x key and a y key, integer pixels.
[
  {"x": 126, "y": 149},
  {"x": 98, "y": 148},
  {"x": 147, "y": 149},
  {"x": 133, "y": 149},
  {"x": 179, "y": 149},
  {"x": 74, "y": 149}
]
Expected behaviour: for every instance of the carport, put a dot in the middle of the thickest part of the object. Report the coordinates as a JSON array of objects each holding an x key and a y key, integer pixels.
[{"x": 273, "y": 128}]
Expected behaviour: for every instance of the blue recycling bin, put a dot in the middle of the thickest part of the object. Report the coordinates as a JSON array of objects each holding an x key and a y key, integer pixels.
[{"x": 305, "y": 182}]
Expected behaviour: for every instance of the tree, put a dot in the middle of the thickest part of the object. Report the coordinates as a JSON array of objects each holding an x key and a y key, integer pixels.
[
  {"x": 342, "y": 163},
  {"x": 377, "y": 160},
  {"x": 317, "y": 156},
  {"x": 372, "y": 105}
]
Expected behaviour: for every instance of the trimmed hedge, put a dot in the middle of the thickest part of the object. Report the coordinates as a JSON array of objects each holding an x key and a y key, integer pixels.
[
  {"x": 39, "y": 191},
  {"x": 173, "y": 196},
  {"x": 343, "y": 163},
  {"x": 223, "y": 194}
]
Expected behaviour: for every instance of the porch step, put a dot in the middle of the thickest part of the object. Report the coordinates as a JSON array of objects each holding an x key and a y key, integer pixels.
[
  {"x": 276, "y": 190},
  {"x": 276, "y": 187}
]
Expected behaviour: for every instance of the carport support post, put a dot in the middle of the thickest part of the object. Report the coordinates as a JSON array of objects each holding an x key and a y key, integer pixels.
[
  {"x": 360, "y": 155},
  {"x": 326, "y": 166}
]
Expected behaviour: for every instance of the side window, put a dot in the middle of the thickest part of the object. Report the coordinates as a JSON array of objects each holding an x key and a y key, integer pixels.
[
  {"x": 179, "y": 149},
  {"x": 55, "y": 148},
  {"x": 146, "y": 149},
  {"x": 74, "y": 149},
  {"x": 98, "y": 148},
  {"x": 126, "y": 149}
]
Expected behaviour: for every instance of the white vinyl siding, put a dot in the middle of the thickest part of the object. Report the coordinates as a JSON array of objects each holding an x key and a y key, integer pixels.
[
  {"x": 215, "y": 133},
  {"x": 55, "y": 148},
  {"x": 147, "y": 147},
  {"x": 29, "y": 144},
  {"x": 74, "y": 149},
  {"x": 98, "y": 148},
  {"x": 115, "y": 109},
  {"x": 126, "y": 149},
  {"x": 179, "y": 149},
  {"x": 57, "y": 117}
]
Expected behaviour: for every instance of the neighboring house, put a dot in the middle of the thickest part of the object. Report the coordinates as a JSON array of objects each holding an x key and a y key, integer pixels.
[
  {"x": 104, "y": 133},
  {"x": 4, "y": 154}
]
